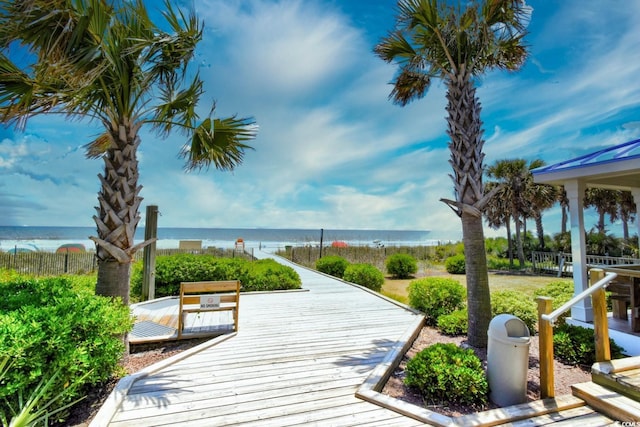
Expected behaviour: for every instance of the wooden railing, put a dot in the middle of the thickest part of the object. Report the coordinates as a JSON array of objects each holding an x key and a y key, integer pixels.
[
  {"x": 546, "y": 319},
  {"x": 561, "y": 263}
]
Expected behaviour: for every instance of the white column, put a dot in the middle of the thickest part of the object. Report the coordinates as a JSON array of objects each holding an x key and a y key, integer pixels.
[{"x": 575, "y": 193}]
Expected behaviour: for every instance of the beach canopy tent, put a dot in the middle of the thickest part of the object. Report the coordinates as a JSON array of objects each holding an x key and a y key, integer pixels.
[
  {"x": 339, "y": 244},
  {"x": 71, "y": 247},
  {"x": 616, "y": 168},
  {"x": 21, "y": 250}
]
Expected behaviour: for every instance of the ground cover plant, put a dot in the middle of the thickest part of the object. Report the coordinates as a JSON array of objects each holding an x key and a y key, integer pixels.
[
  {"x": 333, "y": 265},
  {"x": 447, "y": 373},
  {"x": 401, "y": 265},
  {"x": 365, "y": 275},
  {"x": 60, "y": 338},
  {"x": 435, "y": 296}
]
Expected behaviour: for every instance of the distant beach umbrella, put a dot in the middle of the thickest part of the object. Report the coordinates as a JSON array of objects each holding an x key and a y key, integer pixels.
[
  {"x": 339, "y": 244},
  {"x": 71, "y": 247}
]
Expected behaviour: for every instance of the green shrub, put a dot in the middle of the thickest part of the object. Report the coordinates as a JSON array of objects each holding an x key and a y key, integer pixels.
[
  {"x": 333, "y": 265},
  {"x": 445, "y": 373},
  {"x": 496, "y": 263},
  {"x": 365, "y": 275},
  {"x": 575, "y": 345},
  {"x": 262, "y": 275},
  {"x": 57, "y": 328},
  {"x": 436, "y": 296},
  {"x": 560, "y": 292},
  {"x": 268, "y": 275},
  {"x": 455, "y": 264},
  {"x": 401, "y": 265},
  {"x": 454, "y": 323},
  {"x": 516, "y": 304}
]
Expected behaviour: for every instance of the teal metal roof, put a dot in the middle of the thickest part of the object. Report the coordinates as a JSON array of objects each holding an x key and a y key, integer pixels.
[{"x": 628, "y": 150}]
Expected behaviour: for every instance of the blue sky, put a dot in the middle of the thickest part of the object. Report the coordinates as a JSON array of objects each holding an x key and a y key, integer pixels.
[{"x": 332, "y": 151}]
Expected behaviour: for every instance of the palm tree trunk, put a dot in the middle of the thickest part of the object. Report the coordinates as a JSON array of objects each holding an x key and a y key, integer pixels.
[
  {"x": 519, "y": 245},
  {"x": 117, "y": 214},
  {"x": 478, "y": 293},
  {"x": 539, "y": 230},
  {"x": 465, "y": 131},
  {"x": 509, "y": 243},
  {"x": 563, "y": 221}
]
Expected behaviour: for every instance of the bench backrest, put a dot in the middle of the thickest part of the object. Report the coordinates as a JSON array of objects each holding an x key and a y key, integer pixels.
[
  {"x": 191, "y": 292},
  {"x": 230, "y": 287}
]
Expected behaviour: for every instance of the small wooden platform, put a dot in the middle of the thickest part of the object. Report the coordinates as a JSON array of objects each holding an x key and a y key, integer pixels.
[{"x": 157, "y": 320}]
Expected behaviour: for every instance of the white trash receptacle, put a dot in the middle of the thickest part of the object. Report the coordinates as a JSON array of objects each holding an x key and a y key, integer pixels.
[{"x": 508, "y": 360}]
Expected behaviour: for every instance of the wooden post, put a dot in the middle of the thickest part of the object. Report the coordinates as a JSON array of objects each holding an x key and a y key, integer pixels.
[
  {"x": 545, "y": 333},
  {"x": 600, "y": 322},
  {"x": 149, "y": 268}
]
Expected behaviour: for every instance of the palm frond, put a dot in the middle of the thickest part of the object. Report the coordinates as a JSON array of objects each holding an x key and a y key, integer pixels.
[{"x": 219, "y": 142}]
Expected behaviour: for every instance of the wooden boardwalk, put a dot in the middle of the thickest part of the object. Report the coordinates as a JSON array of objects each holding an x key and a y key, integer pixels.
[{"x": 298, "y": 359}]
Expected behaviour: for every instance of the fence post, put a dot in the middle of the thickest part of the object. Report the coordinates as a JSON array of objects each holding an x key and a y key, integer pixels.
[
  {"x": 600, "y": 322},
  {"x": 545, "y": 334},
  {"x": 149, "y": 266}
]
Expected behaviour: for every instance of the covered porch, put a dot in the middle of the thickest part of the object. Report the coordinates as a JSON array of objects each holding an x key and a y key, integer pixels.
[{"x": 616, "y": 168}]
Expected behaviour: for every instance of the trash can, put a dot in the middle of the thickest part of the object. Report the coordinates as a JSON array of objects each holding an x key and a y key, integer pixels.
[{"x": 508, "y": 360}]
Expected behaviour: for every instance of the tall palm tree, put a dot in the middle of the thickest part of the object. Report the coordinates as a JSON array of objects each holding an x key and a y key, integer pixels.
[
  {"x": 498, "y": 214},
  {"x": 106, "y": 60},
  {"x": 627, "y": 212},
  {"x": 541, "y": 197},
  {"x": 512, "y": 175},
  {"x": 605, "y": 202},
  {"x": 433, "y": 39}
]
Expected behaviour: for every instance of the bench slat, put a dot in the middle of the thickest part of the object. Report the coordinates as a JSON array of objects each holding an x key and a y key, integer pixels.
[{"x": 190, "y": 303}]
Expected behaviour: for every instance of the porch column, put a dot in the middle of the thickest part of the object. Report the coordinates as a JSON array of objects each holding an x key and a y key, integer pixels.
[
  {"x": 575, "y": 193},
  {"x": 635, "y": 193}
]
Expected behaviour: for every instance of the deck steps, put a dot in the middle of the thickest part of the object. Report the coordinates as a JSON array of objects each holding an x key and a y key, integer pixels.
[
  {"x": 620, "y": 375},
  {"x": 608, "y": 402}
]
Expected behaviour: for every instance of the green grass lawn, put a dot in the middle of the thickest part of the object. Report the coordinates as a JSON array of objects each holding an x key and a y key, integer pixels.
[{"x": 398, "y": 288}]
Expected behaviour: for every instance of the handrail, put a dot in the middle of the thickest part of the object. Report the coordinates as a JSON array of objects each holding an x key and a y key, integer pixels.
[{"x": 602, "y": 283}]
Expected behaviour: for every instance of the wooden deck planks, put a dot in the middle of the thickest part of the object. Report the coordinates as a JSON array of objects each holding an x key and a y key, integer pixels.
[{"x": 297, "y": 359}]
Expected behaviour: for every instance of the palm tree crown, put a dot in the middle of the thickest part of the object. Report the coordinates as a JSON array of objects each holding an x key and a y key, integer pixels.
[{"x": 106, "y": 60}]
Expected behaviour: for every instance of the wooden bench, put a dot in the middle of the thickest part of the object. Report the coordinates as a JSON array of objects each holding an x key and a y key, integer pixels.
[{"x": 204, "y": 297}]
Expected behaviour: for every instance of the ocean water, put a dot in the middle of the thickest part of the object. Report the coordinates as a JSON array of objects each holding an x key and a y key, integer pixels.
[{"x": 50, "y": 238}]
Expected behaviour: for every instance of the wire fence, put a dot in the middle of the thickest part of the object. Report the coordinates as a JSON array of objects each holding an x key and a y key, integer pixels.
[{"x": 52, "y": 264}]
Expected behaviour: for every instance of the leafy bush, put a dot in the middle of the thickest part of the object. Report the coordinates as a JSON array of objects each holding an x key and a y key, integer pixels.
[
  {"x": 262, "y": 275},
  {"x": 56, "y": 328},
  {"x": 495, "y": 263},
  {"x": 365, "y": 275},
  {"x": 268, "y": 275},
  {"x": 575, "y": 345},
  {"x": 516, "y": 304},
  {"x": 454, "y": 323},
  {"x": 401, "y": 265},
  {"x": 333, "y": 265},
  {"x": 436, "y": 296},
  {"x": 560, "y": 292},
  {"x": 455, "y": 264},
  {"x": 447, "y": 373}
]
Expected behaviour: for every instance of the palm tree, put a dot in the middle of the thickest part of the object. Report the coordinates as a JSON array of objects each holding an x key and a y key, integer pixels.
[
  {"x": 627, "y": 212},
  {"x": 432, "y": 39},
  {"x": 541, "y": 197},
  {"x": 604, "y": 201},
  {"x": 498, "y": 214},
  {"x": 106, "y": 60},
  {"x": 511, "y": 176}
]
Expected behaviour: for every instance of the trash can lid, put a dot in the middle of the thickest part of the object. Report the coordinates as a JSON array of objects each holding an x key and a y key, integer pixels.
[{"x": 507, "y": 327}]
